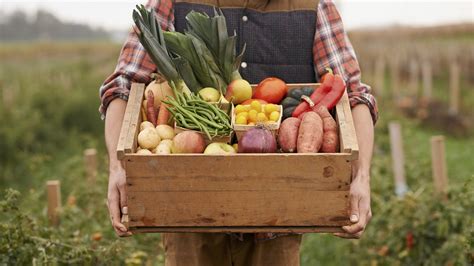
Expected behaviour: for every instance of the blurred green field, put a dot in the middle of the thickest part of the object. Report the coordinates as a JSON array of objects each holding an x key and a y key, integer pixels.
[{"x": 48, "y": 112}]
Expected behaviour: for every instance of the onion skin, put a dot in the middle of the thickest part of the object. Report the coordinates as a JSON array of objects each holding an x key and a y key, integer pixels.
[{"x": 258, "y": 140}]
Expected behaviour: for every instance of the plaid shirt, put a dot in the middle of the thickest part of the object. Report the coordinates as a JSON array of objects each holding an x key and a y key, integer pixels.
[{"x": 331, "y": 48}]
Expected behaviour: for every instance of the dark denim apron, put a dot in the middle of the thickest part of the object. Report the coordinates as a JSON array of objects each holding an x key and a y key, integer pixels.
[{"x": 279, "y": 43}]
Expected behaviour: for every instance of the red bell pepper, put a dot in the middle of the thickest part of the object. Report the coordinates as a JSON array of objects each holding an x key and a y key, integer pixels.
[
  {"x": 316, "y": 97},
  {"x": 329, "y": 72},
  {"x": 332, "y": 98}
]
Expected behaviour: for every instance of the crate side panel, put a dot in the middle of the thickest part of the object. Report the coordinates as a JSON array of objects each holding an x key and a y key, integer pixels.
[
  {"x": 239, "y": 208},
  {"x": 241, "y": 172},
  {"x": 239, "y": 229}
]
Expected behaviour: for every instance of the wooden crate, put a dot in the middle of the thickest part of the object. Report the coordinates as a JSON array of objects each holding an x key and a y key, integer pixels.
[{"x": 237, "y": 193}]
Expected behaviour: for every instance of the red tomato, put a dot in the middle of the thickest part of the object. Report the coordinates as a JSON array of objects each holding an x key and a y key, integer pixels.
[
  {"x": 249, "y": 101},
  {"x": 271, "y": 90}
]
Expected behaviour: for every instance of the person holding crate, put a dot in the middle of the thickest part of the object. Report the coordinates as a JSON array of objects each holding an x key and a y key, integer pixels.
[{"x": 295, "y": 40}]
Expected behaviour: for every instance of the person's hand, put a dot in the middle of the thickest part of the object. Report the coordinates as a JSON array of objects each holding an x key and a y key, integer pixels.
[
  {"x": 360, "y": 208},
  {"x": 117, "y": 199}
]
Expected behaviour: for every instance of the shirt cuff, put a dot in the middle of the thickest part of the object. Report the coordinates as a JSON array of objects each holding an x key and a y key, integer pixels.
[
  {"x": 368, "y": 99},
  {"x": 108, "y": 99}
]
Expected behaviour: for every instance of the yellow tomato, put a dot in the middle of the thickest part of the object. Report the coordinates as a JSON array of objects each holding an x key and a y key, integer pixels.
[
  {"x": 242, "y": 108},
  {"x": 270, "y": 108},
  {"x": 256, "y": 105},
  {"x": 274, "y": 116},
  {"x": 241, "y": 120},
  {"x": 244, "y": 114},
  {"x": 252, "y": 115},
  {"x": 261, "y": 117}
]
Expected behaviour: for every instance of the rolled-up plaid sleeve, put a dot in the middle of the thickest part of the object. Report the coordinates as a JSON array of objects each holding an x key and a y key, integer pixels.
[
  {"x": 333, "y": 49},
  {"x": 134, "y": 64}
]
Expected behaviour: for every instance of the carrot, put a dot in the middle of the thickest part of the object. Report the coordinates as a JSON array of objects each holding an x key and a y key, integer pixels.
[
  {"x": 144, "y": 117},
  {"x": 151, "y": 112},
  {"x": 163, "y": 115}
]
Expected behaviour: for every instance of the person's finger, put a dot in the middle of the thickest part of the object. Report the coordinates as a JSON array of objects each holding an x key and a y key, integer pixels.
[
  {"x": 123, "y": 195},
  {"x": 354, "y": 214},
  {"x": 349, "y": 236},
  {"x": 114, "y": 211},
  {"x": 361, "y": 224}
]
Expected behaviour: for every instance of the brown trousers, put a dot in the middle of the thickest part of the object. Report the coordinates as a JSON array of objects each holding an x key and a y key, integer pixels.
[{"x": 196, "y": 249}]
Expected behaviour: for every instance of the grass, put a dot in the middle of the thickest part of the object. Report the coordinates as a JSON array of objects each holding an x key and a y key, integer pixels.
[{"x": 49, "y": 96}]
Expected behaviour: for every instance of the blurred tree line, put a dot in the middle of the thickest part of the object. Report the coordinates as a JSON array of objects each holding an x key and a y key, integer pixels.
[{"x": 44, "y": 26}]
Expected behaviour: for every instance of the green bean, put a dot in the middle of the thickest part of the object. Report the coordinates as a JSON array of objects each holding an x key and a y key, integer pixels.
[
  {"x": 202, "y": 113},
  {"x": 208, "y": 113},
  {"x": 211, "y": 123}
]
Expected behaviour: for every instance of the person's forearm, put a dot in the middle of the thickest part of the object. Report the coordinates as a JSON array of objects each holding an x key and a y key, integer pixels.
[
  {"x": 113, "y": 125},
  {"x": 364, "y": 128}
]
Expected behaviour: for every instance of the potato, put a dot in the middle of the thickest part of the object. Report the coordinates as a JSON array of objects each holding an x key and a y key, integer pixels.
[
  {"x": 145, "y": 124},
  {"x": 144, "y": 152},
  {"x": 148, "y": 138},
  {"x": 165, "y": 132},
  {"x": 167, "y": 142},
  {"x": 288, "y": 134},
  {"x": 310, "y": 135},
  {"x": 163, "y": 148}
]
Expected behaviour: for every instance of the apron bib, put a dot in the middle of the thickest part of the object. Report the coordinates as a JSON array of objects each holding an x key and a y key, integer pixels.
[{"x": 279, "y": 35}]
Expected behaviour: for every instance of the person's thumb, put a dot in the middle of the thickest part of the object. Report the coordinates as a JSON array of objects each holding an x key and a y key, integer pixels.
[{"x": 354, "y": 209}]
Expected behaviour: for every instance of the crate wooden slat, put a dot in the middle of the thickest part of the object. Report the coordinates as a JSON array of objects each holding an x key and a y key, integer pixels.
[
  {"x": 239, "y": 193},
  {"x": 131, "y": 121}
]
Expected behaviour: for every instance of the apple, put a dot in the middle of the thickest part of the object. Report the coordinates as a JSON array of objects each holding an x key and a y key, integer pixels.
[
  {"x": 210, "y": 94},
  {"x": 239, "y": 91},
  {"x": 219, "y": 148},
  {"x": 188, "y": 142}
]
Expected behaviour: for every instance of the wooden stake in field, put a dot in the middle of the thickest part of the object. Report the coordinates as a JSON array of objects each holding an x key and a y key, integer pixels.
[
  {"x": 454, "y": 76},
  {"x": 414, "y": 78},
  {"x": 398, "y": 159},
  {"x": 379, "y": 74},
  {"x": 54, "y": 201},
  {"x": 438, "y": 163},
  {"x": 90, "y": 164},
  {"x": 395, "y": 78},
  {"x": 427, "y": 79}
]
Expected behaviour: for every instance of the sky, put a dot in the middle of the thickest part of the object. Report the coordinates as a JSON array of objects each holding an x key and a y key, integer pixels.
[{"x": 116, "y": 14}]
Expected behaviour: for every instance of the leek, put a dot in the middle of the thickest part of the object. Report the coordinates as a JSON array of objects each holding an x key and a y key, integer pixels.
[
  {"x": 204, "y": 56},
  {"x": 213, "y": 32}
]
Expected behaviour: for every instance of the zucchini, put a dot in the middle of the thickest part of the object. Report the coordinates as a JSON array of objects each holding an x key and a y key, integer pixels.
[
  {"x": 287, "y": 112},
  {"x": 289, "y": 102},
  {"x": 307, "y": 91}
]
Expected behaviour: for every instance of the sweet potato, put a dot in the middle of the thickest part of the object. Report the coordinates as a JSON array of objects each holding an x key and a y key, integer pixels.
[
  {"x": 330, "y": 142},
  {"x": 310, "y": 135},
  {"x": 330, "y": 135},
  {"x": 288, "y": 134}
]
